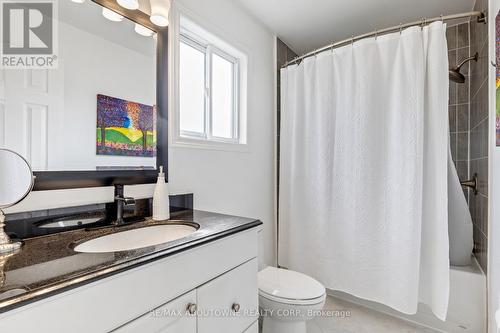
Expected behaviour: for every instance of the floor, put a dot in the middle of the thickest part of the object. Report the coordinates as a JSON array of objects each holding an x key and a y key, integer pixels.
[{"x": 345, "y": 317}]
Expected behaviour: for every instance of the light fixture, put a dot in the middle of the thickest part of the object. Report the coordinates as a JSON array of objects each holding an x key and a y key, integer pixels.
[
  {"x": 143, "y": 31},
  {"x": 129, "y": 4},
  {"x": 111, "y": 15},
  {"x": 78, "y": 1},
  {"x": 159, "y": 12}
]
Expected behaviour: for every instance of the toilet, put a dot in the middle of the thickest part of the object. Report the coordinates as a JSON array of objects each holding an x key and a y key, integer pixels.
[{"x": 288, "y": 299}]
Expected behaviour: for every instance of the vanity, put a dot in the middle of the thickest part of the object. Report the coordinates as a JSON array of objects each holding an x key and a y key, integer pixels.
[{"x": 204, "y": 282}]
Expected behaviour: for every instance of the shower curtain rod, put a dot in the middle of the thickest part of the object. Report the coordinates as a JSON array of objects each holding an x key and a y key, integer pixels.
[{"x": 481, "y": 17}]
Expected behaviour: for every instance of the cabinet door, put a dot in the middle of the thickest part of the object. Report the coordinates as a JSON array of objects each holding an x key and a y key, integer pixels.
[
  {"x": 254, "y": 328},
  {"x": 172, "y": 317},
  {"x": 229, "y": 303}
]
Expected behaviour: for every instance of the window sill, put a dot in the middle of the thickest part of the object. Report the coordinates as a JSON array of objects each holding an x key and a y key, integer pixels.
[{"x": 182, "y": 142}]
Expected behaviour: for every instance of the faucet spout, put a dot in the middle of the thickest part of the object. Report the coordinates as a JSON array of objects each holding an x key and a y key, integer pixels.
[{"x": 121, "y": 201}]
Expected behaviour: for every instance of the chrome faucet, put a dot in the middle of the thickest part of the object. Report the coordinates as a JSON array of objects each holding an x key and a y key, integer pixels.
[{"x": 121, "y": 201}]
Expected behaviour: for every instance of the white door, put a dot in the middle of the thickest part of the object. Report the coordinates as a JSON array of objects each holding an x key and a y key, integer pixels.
[
  {"x": 172, "y": 317},
  {"x": 31, "y": 115}
]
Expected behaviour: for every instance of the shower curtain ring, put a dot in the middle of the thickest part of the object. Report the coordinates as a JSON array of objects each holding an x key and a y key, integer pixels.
[
  {"x": 442, "y": 18},
  {"x": 352, "y": 40},
  {"x": 376, "y": 34},
  {"x": 400, "y": 28}
]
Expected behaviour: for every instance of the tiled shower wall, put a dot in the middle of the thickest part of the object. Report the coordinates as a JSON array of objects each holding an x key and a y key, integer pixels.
[
  {"x": 478, "y": 125},
  {"x": 457, "y": 37},
  {"x": 468, "y": 111}
]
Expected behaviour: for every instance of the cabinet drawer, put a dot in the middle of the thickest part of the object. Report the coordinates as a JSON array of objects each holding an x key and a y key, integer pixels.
[
  {"x": 229, "y": 303},
  {"x": 172, "y": 317}
]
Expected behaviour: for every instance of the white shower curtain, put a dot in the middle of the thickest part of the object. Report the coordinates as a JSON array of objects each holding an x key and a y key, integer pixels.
[{"x": 363, "y": 169}]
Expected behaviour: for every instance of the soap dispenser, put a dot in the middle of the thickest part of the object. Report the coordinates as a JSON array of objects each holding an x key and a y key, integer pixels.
[{"x": 161, "y": 203}]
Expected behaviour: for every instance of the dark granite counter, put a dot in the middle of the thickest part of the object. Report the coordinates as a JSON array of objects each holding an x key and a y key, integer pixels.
[{"x": 47, "y": 265}]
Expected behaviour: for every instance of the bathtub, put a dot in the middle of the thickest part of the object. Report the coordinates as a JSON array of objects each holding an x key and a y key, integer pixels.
[{"x": 467, "y": 305}]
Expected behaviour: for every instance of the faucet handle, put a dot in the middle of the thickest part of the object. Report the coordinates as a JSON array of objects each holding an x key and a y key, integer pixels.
[{"x": 126, "y": 200}]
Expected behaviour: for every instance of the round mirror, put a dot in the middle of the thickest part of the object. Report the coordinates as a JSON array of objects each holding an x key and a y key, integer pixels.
[{"x": 16, "y": 178}]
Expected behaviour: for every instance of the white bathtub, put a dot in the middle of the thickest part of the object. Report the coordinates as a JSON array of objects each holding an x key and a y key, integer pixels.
[{"x": 467, "y": 307}]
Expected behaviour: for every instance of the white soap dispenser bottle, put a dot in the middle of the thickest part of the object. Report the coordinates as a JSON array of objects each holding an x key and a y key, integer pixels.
[{"x": 161, "y": 203}]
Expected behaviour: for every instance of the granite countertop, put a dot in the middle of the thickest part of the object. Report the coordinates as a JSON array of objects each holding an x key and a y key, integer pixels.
[{"x": 48, "y": 265}]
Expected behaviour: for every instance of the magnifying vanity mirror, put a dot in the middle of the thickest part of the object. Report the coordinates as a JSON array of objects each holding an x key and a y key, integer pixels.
[
  {"x": 16, "y": 182},
  {"x": 100, "y": 117}
]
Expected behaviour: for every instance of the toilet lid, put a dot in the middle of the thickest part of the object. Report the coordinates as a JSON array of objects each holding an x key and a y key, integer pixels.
[{"x": 288, "y": 284}]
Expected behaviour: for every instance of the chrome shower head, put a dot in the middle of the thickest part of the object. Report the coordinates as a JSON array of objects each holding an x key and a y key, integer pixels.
[{"x": 454, "y": 72}]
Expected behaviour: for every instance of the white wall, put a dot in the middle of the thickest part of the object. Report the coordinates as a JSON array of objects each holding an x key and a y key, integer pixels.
[
  {"x": 239, "y": 183},
  {"x": 494, "y": 176}
]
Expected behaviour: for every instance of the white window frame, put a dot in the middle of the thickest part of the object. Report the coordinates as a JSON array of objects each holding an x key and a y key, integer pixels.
[
  {"x": 179, "y": 138},
  {"x": 209, "y": 50}
]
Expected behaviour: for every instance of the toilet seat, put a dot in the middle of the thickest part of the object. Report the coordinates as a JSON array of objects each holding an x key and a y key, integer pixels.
[
  {"x": 290, "y": 301},
  {"x": 290, "y": 287}
]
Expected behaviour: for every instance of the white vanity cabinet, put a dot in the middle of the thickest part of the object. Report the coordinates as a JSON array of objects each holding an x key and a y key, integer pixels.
[
  {"x": 216, "y": 282},
  {"x": 228, "y": 303}
]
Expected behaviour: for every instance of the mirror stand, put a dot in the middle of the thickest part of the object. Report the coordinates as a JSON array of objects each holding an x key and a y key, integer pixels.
[{"x": 6, "y": 245}]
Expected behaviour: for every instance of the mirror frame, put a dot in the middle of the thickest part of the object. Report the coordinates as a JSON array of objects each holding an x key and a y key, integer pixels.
[
  {"x": 32, "y": 183},
  {"x": 57, "y": 180}
]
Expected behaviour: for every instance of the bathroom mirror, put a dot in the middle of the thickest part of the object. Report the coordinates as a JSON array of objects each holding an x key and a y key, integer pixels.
[
  {"x": 96, "y": 119},
  {"x": 16, "y": 178}
]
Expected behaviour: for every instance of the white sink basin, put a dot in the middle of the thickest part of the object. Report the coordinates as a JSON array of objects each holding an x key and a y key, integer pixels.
[{"x": 136, "y": 238}]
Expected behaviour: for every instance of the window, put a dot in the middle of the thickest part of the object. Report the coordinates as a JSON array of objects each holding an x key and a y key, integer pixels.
[{"x": 208, "y": 91}]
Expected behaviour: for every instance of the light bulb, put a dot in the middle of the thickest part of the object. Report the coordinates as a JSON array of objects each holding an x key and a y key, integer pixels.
[
  {"x": 143, "y": 31},
  {"x": 159, "y": 12},
  {"x": 78, "y": 1},
  {"x": 159, "y": 20},
  {"x": 129, "y": 4},
  {"x": 111, "y": 15}
]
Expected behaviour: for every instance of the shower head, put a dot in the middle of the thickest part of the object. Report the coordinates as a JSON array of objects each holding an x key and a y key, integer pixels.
[{"x": 454, "y": 72}]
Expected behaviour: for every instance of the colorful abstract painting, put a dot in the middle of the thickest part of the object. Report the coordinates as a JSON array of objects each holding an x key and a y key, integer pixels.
[
  {"x": 498, "y": 79},
  {"x": 125, "y": 128}
]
